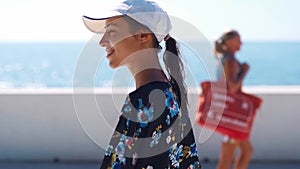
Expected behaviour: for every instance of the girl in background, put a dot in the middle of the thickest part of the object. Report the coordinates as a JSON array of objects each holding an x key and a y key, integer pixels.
[{"x": 232, "y": 72}]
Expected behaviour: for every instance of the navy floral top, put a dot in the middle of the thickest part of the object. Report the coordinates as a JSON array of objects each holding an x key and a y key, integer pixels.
[{"x": 152, "y": 132}]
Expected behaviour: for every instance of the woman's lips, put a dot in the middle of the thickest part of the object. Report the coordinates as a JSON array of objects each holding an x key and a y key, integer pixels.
[{"x": 109, "y": 52}]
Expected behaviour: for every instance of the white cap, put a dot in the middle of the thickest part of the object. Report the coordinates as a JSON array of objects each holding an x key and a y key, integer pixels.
[{"x": 145, "y": 12}]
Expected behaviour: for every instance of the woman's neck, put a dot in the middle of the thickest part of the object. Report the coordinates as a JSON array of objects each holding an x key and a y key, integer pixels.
[
  {"x": 149, "y": 75},
  {"x": 145, "y": 67}
]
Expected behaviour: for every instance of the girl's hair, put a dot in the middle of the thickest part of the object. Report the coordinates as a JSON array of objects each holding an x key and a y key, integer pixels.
[
  {"x": 173, "y": 63},
  {"x": 220, "y": 47}
]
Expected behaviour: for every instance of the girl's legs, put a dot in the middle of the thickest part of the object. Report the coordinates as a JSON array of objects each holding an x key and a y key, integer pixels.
[
  {"x": 226, "y": 153},
  {"x": 244, "y": 158}
]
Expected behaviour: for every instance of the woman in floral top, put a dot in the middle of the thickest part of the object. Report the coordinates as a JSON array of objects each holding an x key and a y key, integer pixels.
[{"x": 154, "y": 129}]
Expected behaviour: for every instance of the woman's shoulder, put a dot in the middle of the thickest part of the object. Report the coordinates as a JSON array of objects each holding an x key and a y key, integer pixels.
[
  {"x": 153, "y": 93},
  {"x": 156, "y": 91},
  {"x": 146, "y": 89}
]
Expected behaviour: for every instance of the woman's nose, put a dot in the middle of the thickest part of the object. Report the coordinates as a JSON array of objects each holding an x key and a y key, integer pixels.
[{"x": 103, "y": 42}]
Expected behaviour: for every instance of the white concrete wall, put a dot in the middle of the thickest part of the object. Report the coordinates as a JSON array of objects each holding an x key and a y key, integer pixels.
[{"x": 43, "y": 124}]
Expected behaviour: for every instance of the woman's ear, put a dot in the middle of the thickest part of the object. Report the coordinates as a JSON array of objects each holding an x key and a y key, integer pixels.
[{"x": 144, "y": 36}]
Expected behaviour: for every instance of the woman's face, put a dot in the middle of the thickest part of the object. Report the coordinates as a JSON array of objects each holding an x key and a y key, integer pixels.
[
  {"x": 118, "y": 41},
  {"x": 234, "y": 44}
]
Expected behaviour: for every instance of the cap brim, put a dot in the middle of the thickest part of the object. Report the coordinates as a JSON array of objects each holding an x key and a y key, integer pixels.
[{"x": 97, "y": 24}]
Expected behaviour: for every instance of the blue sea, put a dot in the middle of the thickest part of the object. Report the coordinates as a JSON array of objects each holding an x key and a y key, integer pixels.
[{"x": 53, "y": 65}]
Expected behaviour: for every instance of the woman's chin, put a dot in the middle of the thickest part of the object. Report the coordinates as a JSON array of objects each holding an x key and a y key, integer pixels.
[{"x": 113, "y": 65}]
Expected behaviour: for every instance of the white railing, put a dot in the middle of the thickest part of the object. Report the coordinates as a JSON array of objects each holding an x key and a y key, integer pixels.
[{"x": 41, "y": 124}]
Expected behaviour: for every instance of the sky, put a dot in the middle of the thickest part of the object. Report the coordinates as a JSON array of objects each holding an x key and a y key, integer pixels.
[{"x": 60, "y": 20}]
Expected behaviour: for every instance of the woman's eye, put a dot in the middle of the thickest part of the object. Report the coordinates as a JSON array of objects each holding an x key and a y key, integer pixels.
[{"x": 111, "y": 31}]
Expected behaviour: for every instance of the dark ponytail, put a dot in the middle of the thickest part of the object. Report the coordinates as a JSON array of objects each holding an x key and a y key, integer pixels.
[{"x": 175, "y": 69}]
